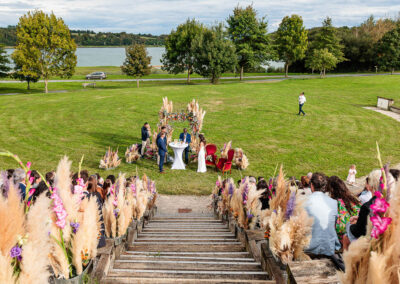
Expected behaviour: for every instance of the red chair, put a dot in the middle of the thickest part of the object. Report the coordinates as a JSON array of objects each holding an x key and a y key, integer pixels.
[
  {"x": 225, "y": 165},
  {"x": 211, "y": 149}
]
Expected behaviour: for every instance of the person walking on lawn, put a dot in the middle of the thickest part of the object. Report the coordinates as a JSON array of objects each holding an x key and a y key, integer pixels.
[{"x": 302, "y": 101}]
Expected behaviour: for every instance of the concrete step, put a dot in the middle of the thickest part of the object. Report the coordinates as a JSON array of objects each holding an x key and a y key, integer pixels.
[
  {"x": 185, "y": 226},
  {"x": 184, "y": 221},
  {"x": 188, "y": 247},
  {"x": 187, "y": 235},
  {"x": 184, "y": 240},
  {"x": 238, "y": 254},
  {"x": 198, "y": 274},
  {"x": 126, "y": 280},
  {"x": 185, "y": 258},
  {"x": 180, "y": 230},
  {"x": 187, "y": 265}
]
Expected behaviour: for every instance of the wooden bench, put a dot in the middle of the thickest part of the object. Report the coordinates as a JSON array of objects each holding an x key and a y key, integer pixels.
[{"x": 89, "y": 85}]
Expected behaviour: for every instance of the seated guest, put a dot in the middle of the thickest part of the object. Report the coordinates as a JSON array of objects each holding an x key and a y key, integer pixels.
[
  {"x": 348, "y": 205},
  {"x": 107, "y": 187},
  {"x": 111, "y": 178},
  {"x": 94, "y": 189},
  {"x": 19, "y": 181},
  {"x": 50, "y": 177},
  {"x": 323, "y": 209},
  {"x": 265, "y": 197}
]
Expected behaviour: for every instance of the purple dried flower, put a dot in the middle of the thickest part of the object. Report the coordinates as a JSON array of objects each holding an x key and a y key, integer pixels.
[
  {"x": 116, "y": 211},
  {"x": 249, "y": 216},
  {"x": 230, "y": 191},
  {"x": 75, "y": 227},
  {"x": 16, "y": 252},
  {"x": 290, "y": 206}
]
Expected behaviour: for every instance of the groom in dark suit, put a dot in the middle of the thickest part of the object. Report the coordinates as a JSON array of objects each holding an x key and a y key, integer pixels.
[
  {"x": 162, "y": 150},
  {"x": 186, "y": 138}
]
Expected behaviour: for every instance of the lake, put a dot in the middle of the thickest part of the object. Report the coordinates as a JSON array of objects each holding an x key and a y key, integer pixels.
[{"x": 115, "y": 56}]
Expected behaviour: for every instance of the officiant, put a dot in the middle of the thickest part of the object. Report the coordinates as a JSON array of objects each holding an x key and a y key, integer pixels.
[{"x": 186, "y": 138}]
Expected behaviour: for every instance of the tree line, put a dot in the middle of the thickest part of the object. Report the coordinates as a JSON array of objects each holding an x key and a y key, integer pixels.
[
  {"x": 8, "y": 37},
  {"x": 45, "y": 47}
]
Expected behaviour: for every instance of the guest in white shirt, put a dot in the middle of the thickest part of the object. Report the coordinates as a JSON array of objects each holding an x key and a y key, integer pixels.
[{"x": 302, "y": 101}]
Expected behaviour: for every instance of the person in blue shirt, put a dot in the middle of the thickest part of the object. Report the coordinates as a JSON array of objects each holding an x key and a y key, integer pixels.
[
  {"x": 162, "y": 150},
  {"x": 324, "y": 210},
  {"x": 186, "y": 138}
]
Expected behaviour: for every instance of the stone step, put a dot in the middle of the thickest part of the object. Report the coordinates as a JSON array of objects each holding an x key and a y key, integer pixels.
[
  {"x": 238, "y": 254},
  {"x": 198, "y": 274},
  {"x": 184, "y": 240},
  {"x": 186, "y": 265},
  {"x": 188, "y": 247},
  {"x": 184, "y": 221},
  {"x": 185, "y": 226},
  {"x": 126, "y": 280},
  {"x": 187, "y": 235},
  {"x": 180, "y": 230},
  {"x": 187, "y": 258}
]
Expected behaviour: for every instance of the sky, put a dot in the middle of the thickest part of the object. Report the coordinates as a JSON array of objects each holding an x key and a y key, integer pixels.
[{"x": 161, "y": 16}]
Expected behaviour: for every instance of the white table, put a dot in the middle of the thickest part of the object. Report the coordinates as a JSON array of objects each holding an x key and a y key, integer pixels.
[{"x": 178, "y": 151}]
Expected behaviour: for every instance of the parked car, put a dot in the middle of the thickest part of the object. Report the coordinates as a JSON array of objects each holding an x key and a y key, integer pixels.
[{"x": 96, "y": 75}]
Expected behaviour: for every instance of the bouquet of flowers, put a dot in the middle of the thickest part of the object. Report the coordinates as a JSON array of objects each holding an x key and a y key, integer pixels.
[
  {"x": 75, "y": 226},
  {"x": 110, "y": 160},
  {"x": 375, "y": 257},
  {"x": 287, "y": 223},
  {"x": 240, "y": 159},
  {"x": 132, "y": 153}
]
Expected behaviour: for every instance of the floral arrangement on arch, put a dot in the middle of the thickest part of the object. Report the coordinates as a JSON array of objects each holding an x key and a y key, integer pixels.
[
  {"x": 287, "y": 224},
  {"x": 110, "y": 160},
  {"x": 375, "y": 257},
  {"x": 132, "y": 153}
]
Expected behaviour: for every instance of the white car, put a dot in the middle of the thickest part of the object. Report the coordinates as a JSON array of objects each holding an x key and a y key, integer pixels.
[{"x": 96, "y": 75}]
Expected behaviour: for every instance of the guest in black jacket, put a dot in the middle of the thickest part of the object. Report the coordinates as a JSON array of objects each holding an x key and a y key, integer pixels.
[{"x": 145, "y": 137}]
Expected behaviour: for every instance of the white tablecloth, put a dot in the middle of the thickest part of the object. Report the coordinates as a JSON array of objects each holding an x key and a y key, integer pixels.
[{"x": 178, "y": 150}]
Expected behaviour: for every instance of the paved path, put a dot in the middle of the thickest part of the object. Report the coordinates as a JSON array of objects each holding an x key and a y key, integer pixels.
[
  {"x": 223, "y": 78},
  {"x": 391, "y": 114},
  {"x": 170, "y": 204}
]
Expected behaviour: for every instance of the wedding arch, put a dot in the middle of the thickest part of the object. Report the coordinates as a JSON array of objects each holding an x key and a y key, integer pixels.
[{"x": 194, "y": 115}]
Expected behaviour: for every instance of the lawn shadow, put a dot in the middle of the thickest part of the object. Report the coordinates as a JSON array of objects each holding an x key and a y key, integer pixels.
[{"x": 114, "y": 140}]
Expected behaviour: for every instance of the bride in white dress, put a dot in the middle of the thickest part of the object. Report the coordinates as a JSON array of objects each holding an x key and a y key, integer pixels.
[{"x": 201, "y": 156}]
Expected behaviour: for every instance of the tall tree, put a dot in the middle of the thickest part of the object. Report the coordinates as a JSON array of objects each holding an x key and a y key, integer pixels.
[
  {"x": 291, "y": 40},
  {"x": 44, "y": 40},
  {"x": 137, "y": 62},
  {"x": 322, "y": 60},
  {"x": 179, "y": 51},
  {"x": 327, "y": 38},
  {"x": 250, "y": 37},
  {"x": 388, "y": 50},
  {"x": 4, "y": 62},
  {"x": 214, "y": 54}
]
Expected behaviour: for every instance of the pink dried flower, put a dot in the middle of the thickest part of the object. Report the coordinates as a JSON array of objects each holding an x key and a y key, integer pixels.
[{"x": 28, "y": 165}]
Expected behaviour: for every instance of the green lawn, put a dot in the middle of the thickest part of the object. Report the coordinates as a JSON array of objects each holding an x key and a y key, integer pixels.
[{"x": 258, "y": 117}]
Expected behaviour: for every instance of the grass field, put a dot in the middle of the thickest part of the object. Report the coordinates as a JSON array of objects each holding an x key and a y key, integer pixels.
[{"x": 258, "y": 117}]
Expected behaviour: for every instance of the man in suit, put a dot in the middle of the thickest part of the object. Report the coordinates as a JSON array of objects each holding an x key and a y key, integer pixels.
[
  {"x": 162, "y": 150},
  {"x": 186, "y": 138},
  {"x": 145, "y": 137}
]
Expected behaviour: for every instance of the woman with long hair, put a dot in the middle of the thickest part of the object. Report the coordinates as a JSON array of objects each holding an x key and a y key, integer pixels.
[
  {"x": 201, "y": 157},
  {"x": 348, "y": 205}
]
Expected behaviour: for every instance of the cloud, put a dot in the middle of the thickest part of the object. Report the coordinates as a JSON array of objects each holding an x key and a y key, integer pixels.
[{"x": 160, "y": 16}]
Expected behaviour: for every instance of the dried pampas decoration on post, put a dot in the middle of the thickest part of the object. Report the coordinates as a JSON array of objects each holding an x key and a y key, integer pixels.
[
  {"x": 240, "y": 159},
  {"x": 110, "y": 160},
  {"x": 132, "y": 153},
  {"x": 225, "y": 150}
]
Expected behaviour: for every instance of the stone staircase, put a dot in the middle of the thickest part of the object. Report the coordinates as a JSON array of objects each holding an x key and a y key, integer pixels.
[{"x": 186, "y": 250}]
